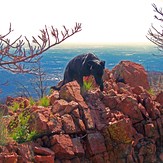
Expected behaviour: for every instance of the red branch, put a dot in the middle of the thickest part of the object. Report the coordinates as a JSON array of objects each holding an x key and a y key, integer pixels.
[{"x": 16, "y": 58}]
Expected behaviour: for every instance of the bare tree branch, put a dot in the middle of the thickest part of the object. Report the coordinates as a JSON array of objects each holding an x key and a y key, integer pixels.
[
  {"x": 16, "y": 58},
  {"x": 155, "y": 35}
]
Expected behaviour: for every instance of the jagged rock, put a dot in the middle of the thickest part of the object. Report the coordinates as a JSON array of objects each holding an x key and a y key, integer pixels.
[
  {"x": 62, "y": 146},
  {"x": 41, "y": 159},
  {"x": 23, "y": 102},
  {"x": 78, "y": 147},
  {"x": 159, "y": 98},
  {"x": 132, "y": 73},
  {"x": 59, "y": 106},
  {"x": 43, "y": 151},
  {"x": 87, "y": 118},
  {"x": 151, "y": 107},
  {"x": 8, "y": 157},
  {"x": 121, "y": 131},
  {"x": 95, "y": 143},
  {"x": 121, "y": 124},
  {"x": 71, "y": 92},
  {"x": 68, "y": 124},
  {"x": 129, "y": 106},
  {"x": 53, "y": 97}
]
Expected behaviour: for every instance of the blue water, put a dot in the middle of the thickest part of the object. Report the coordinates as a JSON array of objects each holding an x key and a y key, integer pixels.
[{"x": 54, "y": 61}]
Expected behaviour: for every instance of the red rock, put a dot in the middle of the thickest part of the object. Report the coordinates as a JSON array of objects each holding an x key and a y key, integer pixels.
[
  {"x": 97, "y": 119},
  {"x": 138, "y": 90},
  {"x": 111, "y": 101},
  {"x": 107, "y": 75},
  {"x": 75, "y": 112},
  {"x": 129, "y": 106},
  {"x": 151, "y": 108},
  {"x": 71, "y": 92},
  {"x": 68, "y": 124},
  {"x": 96, "y": 143},
  {"x": 78, "y": 147},
  {"x": 53, "y": 97},
  {"x": 62, "y": 146},
  {"x": 132, "y": 73},
  {"x": 44, "y": 159},
  {"x": 71, "y": 106},
  {"x": 59, "y": 106},
  {"x": 124, "y": 89},
  {"x": 159, "y": 98},
  {"x": 150, "y": 130},
  {"x": 39, "y": 123},
  {"x": 143, "y": 110},
  {"x": 121, "y": 131},
  {"x": 122, "y": 150},
  {"x": 43, "y": 151},
  {"x": 81, "y": 125},
  {"x": 88, "y": 121},
  {"x": 97, "y": 159},
  {"x": 23, "y": 102},
  {"x": 8, "y": 157},
  {"x": 55, "y": 125},
  {"x": 25, "y": 150}
]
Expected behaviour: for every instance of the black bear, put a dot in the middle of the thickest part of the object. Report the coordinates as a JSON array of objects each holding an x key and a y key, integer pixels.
[{"x": 83, "y": 65}]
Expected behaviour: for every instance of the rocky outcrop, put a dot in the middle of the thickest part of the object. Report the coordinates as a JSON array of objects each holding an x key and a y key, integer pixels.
[
  {"x": 122, "y": 124},
  {"x": 132, "y": 73}
]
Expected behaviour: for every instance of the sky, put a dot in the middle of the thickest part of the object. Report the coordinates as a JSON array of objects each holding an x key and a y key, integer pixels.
[{"x": 103, "y": 21}]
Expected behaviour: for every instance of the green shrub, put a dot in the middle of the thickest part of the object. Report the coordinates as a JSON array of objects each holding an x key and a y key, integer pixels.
[
  {"x": 44, "y": 102},
  {"x": 88, "y": 83},
  {"x": 15, "y": 106},
  {"x": 21, "y": 132},
  {"x": 151, "y": 92}
]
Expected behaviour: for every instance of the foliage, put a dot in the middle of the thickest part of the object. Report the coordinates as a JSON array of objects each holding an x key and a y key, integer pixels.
[
  {"x": 15, "y": 106},
  {"x": 151, "y": 92},
  {"x": 88, "y": 83},
  {"x": 31, "y": 101},
  {"x": 20, "y": 131},
  {"x": 44, "y": 101}
]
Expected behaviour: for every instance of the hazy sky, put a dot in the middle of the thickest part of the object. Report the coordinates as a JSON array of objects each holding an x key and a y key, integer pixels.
[{"x": 111, "y": 21}]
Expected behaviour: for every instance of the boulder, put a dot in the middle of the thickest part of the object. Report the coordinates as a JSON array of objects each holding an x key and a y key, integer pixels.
[
  {"x": 68, "y": 124},
  {"x": 96, "y": 143},
  {"x": 129, "y": 106},
  {"x": 121, "y": 131},
  {"x": 71, "y": 92},
  {"x": 132, "y": 73},
  {"x": 78, "y": 147},
  {"x": 62, "y": 146}
]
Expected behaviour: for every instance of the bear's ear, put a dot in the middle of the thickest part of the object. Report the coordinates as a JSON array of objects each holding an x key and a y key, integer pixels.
[{"x": 102, "y": 63}]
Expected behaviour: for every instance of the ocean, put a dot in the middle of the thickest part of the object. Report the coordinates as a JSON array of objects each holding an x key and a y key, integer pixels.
[{"x": 55, "y": 60}]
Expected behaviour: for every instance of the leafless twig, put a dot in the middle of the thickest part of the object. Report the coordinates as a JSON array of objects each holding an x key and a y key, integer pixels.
[{"x": 16, "y": 58}]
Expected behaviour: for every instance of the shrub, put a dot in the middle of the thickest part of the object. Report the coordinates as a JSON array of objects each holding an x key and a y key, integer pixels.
[
  {"x": 88, "y": 83},
  {"x": 20, "y": 131},
  {"x": 44, "y": 102}
]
